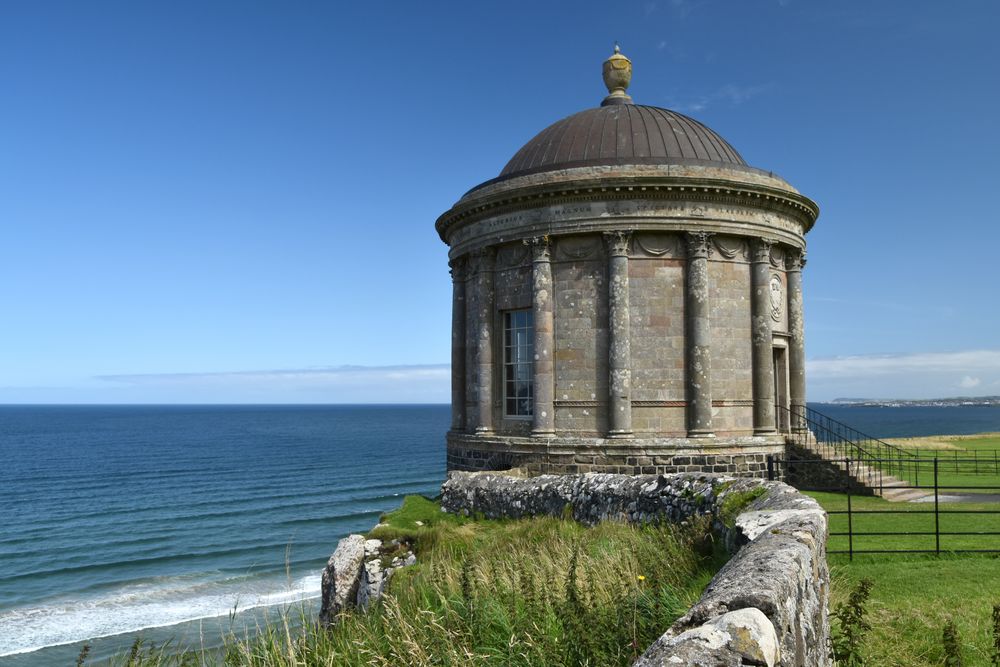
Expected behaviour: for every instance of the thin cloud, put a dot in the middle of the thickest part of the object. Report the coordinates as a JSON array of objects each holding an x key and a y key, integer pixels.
[
  {"x": 428, "y": 383},
  {"x": 332, "y": 374},
  {"x": 684, "y": 8},
  {"x": 866, "y": 366},
  {"x": 968, "y": 382},
  {"x": 920, "y": 375},
  {"x": 731, "y": 94}
]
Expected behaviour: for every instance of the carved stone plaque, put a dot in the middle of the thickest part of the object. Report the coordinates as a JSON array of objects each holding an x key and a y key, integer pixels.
[{"x": 777, "y": 298}]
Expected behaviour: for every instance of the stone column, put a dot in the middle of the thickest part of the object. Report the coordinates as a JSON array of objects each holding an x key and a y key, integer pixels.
[
  {"x": 457, "y": 343},
  {"x": 794, "y": 261},
  {"x": 543, "y": 423},
  {"x": 619, "y": 340},
  {"x": 698, "y": 337},
  {"x": 763, "y": 354},
  {"x": 484, "y": 338}
]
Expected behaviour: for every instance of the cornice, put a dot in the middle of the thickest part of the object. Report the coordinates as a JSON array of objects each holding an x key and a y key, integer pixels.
[{"x": 707, "y": 190}]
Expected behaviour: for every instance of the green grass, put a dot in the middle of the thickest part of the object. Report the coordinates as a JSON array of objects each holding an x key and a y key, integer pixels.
[
  {"x": 916, "y": 595},
  {"x": 734, "y": 503},
  {"x": 540, "y": 591},
  {"x": 913, "y": 598}
]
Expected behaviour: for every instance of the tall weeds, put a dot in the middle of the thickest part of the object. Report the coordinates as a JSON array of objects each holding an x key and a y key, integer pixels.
[{"x": 537, "y": 592}]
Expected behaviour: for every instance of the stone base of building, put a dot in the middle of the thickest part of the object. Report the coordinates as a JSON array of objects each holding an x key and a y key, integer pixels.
[{"x": 744, "y": 456}]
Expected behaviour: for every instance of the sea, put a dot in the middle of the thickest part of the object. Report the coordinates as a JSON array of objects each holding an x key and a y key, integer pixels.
[{"x": 181, "y": 523}]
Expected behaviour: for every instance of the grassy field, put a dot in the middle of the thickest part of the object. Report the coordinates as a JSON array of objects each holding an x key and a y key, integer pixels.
[
  {"x": 980, "y": 441},
  {"x": 912, "y": 600},
  {"x": 914, "y": 596},
  {"x": 530, "y": 592}
]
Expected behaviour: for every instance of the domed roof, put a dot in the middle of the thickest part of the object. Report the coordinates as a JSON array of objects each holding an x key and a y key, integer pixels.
[{"x": 622, "y": 134}]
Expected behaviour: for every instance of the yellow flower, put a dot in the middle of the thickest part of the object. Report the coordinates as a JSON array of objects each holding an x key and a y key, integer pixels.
[{"x": 641, "y": 577}]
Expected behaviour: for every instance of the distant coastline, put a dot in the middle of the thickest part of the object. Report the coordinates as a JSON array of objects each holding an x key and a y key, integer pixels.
[{"x": 963, "y": 401}]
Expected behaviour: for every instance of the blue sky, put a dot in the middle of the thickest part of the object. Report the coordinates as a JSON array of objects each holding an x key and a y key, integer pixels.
[{"x": 192, "y": 194}]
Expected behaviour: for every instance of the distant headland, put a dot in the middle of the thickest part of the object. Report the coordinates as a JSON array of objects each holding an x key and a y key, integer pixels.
[{"x": 920, "y": 402}]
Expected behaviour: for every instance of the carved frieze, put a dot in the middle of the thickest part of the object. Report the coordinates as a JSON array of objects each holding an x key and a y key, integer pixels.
[
  {"x": 658, "y": 245},
  {"x": 659, "y": 404},
  {"x": 777, "y": 256},
  {"x": 577, "y": 404},
  {"x": 577, "y": 247},
  {"x": 510, "y": 256},
  {"x": 484, "y": 259},
  {"x": 729, "y": 247}
]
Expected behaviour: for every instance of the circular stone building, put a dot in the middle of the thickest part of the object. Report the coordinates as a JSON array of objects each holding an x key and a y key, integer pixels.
[{"x": 627, "y": 298}]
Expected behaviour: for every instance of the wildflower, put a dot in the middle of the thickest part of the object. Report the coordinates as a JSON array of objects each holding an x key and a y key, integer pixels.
[{"x": 641, "y": 577}]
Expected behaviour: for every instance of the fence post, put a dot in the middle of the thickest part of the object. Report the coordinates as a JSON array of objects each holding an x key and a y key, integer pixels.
[
  {"x": 850, "y": 523},
  {"x": 975, "y": 461},
  {"x": 937, "y": 516},
  {"x": 879, "y": 466}
]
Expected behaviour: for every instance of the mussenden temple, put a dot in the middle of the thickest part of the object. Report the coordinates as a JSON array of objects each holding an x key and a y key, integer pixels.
[{"x": 627, "y": 298}]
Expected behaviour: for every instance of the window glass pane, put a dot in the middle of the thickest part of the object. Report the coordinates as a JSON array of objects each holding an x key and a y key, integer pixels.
[{"x": 518, "y": 359}]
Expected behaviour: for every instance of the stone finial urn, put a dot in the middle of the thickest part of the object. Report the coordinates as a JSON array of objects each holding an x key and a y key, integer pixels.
[{"x": 617, "y": 76}]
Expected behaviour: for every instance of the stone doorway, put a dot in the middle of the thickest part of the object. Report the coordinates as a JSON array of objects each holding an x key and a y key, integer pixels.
[{"x": 781, "y": 410}]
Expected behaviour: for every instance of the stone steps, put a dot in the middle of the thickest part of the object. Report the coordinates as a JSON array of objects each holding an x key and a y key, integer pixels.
[{"x": 890, "y": 488}]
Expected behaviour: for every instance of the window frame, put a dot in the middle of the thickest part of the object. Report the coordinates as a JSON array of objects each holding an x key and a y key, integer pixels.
[{"x": 518, "y": 362}]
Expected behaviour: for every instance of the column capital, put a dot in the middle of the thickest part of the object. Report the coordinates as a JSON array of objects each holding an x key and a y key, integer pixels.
[
  {"x": 795, "y": 259},
  {"x": 484, "y": 259},
  {"x": 457, "y": 268},
  {"x": 618, "y": 242},
  {"x": 760, "y": 249},
  {"x": 541, "y": 248},
  {"x": 699, "y": 244}
]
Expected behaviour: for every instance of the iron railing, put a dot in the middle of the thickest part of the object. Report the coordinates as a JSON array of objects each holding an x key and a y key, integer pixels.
[
  {"x": 961, "y": 461},
  {"x": 871, "y": 459}
]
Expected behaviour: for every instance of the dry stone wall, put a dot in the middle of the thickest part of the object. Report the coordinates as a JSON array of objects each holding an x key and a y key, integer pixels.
[{"x": 766, "y": 606}]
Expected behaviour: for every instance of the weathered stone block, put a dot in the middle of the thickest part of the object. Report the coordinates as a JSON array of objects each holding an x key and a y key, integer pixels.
[{"x": 341, "y": 578}]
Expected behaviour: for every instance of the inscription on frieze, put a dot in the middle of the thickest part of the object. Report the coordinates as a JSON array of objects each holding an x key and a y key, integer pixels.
[{"x": 571, "y": 209}]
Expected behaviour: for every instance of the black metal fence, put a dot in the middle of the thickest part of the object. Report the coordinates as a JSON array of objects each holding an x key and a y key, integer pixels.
[
  {"x": 974, "y": 527},
  {"x": 960, "y": 461}
]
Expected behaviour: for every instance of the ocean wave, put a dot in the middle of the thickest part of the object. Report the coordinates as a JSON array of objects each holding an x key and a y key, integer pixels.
[{"x": 141, "y": 606}]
